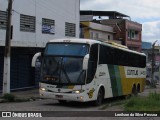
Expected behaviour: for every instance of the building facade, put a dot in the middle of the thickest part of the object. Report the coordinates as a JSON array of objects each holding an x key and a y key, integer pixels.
[
  {"x": 96, "y": 31},
  {"x": 128, "y": 32},
  {"x": 37, "y": 21},
  {"x": 34, "y": 22},
  {"x": 125, "y": 31}
]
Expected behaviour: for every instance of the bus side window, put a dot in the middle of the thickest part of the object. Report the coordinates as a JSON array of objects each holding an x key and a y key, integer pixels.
[
  {"x": 106, "y": 55},
  {"x": 92, "y": 66}
]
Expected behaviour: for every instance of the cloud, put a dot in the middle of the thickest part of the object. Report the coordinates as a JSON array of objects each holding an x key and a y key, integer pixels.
[
  {"x": 151, "y": 31},
  {"x": 145, "y": 12},
  {"x": 133, "y": 8}
]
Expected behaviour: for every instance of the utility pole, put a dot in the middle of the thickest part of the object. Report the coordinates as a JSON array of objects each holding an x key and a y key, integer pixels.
[
  {"x": 7, "y": 52},
  {"x": 153, "y": 65}
]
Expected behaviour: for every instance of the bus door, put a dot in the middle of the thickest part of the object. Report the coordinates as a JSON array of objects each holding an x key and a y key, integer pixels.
[{"x": 92, "y": 68}]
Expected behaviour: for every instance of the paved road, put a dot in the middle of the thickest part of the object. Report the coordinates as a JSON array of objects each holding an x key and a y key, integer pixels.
[
  {"x": 46, "y": 105},
  {"x": 53, "y": 105}
]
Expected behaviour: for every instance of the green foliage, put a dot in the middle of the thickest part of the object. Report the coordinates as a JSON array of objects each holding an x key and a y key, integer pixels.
[
  {"x": 112, "y": 103},
  {"x": 9, "y": 97},
  {"x": 149, "y": 103},
  {"x": 154, "y": 96}
]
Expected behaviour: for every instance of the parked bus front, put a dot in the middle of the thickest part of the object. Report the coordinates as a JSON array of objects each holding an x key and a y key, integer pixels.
[{"x": 62, "y": 72}]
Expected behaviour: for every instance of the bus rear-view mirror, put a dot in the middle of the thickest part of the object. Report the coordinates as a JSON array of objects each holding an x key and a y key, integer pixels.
[
  {"x": 85, "y": 62},
  {"x": 34, "y": 59}
]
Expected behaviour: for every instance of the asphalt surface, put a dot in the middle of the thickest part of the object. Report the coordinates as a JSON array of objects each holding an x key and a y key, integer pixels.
[{"x": 52, "y": 105}]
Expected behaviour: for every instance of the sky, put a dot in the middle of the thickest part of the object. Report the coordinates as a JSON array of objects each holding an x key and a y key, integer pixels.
[{"x": 146, "y": 12}]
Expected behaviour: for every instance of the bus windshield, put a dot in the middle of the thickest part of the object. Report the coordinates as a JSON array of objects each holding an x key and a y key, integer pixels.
[
  {"x": 62, "y": 63},
  {"x": 66, "y": 49},
  {"x": 63, "y": 70}
]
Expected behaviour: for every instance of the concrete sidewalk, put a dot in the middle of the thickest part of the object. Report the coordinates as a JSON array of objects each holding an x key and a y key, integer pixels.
[{"x": 25, "y": 94}]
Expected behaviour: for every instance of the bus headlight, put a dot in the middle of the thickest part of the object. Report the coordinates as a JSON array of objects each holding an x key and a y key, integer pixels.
[
  {"x": 43, "y": 89},
  {"x": 77, "y": 91}
]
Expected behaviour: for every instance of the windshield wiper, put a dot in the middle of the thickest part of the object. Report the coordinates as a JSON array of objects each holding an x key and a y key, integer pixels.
[
  {"x": 66, "y": 75},
  {"x": 80, "y": 75},
  {"x": 64, "y": 71}
]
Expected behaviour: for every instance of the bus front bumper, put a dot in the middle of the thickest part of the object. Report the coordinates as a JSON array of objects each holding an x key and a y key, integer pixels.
[{"x": 63, "y": 96}]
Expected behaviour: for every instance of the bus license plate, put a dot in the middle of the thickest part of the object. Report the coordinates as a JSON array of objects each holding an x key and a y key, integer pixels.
[{"x": 59, "y": 96}]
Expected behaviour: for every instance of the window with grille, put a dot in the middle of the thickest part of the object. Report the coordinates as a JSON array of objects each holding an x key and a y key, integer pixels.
[
  {"x": 70, "y": 29},
  {"x": 3, "y": 19},
  {"x": 48, "y": 26},
  {"x": 132, "y": 34},
  {"x": 27, "y": 23}
]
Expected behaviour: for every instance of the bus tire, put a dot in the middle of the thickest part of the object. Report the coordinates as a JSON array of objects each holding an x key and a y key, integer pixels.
[
  {"x": 62, "y": 101},
  {"x": 138, "y": 88},
  {"x": 100, "y": 97},
  {"x": 134, "y": 91}
]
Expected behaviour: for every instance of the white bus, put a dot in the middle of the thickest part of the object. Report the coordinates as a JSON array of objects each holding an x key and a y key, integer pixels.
[{"x": 89, "y": 70}]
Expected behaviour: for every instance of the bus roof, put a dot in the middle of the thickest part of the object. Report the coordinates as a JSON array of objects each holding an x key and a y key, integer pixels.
[
  {"x": 91, "y": 41},
  {"x": 76, "y": 40},
  {"x": 121, "y": 47}
]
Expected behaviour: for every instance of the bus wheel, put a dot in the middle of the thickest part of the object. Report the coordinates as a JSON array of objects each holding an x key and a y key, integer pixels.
[
  {"x": 138, "y": 88},
  {"x": 100, "y": 97},
  {"x": 62, "y": 101},
  {"x": 134, "y": 91}
]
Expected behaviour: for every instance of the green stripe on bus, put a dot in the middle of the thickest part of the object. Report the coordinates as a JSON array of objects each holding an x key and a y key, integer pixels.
[
  {"x": 118, "y": 79},
  {"x": 113, "y": 80}
]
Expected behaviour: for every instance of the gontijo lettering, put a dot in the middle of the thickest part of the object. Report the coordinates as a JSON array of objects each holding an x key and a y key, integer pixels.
[{"x": 132, "y": 72}]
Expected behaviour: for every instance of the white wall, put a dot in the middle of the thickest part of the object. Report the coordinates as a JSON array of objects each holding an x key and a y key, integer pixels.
[
  {"x": 101, "y": 27},
  {"x": 103, "y": 31},
  {"x": 59, "y": 10},
  {"x": 101, "y": 35}
]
